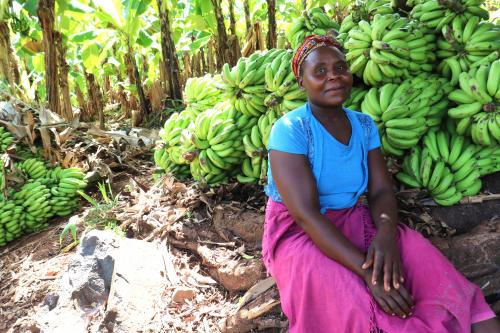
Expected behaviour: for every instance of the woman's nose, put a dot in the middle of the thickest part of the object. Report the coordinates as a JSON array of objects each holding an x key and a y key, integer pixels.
[{"x": 331, "y": 75}]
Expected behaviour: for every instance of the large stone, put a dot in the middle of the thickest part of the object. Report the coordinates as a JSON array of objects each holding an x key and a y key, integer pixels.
[
  {"x": 112, "y": 285},
  {"x": 84, "y": 287},
  {"x": 138, "y": 282}
]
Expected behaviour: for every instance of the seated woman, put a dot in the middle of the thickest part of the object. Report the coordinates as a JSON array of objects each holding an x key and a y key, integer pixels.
[{"x": 341, "y": 266}]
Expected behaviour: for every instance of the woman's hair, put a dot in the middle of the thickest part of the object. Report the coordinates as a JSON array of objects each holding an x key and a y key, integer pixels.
[{"x": 310, "y": 44}]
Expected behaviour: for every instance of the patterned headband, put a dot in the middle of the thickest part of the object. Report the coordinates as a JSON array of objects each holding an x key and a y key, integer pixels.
[{"x": 310, "y": 44}]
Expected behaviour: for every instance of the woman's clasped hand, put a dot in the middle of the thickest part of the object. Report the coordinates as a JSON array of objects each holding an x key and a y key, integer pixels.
[{"x": 384, "y": 273}]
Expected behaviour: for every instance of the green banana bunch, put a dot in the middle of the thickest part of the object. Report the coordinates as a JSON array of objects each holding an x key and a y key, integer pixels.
[
  {"x": 404, "y": 112},
  {"x": 245, "y": 83},
  {"x": 379, "y": 52},
  {"x": 33, "y": 167},
  {"x": 278, "y": 75},
  {"x": 171, "y": 161},
  {"x": 5, "y": 139},
  {"x": 281, "y": 82},
  {"x": 488, "y": 160},
  {"x": 312, "y": 22},
  {"x": 171, "y": 131},
  {"x": 254, "y": 167},
  {"x": 11, "y": 220},
  {"x": 160, "y": 156},
  {"x": 466, "y": 44},
  {"x": 255, "y": 143},
  {"x": 364, "y": 10},
  {"x": 436, "y": 14},
  {"x": 202, "y": 93},
  {"x": 24, "y": 152},
  {"x": 216, "y": 136},
  {"x": 478, "y": 100},
  {"x": 46, "y": 192},
  {"x": 356, "y": 97},
  {"x": 174, "y": 134},
  {"x": 459, "y": 164},
  {"x": 419, "y": 170},
  {"x": 446, "y": 185},
  {"x": 64, "y": 194},
  {"x": 253, "y": 170}
]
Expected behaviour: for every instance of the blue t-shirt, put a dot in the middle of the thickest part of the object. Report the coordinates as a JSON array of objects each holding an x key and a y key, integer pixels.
[{"x": 341, "y": 171}]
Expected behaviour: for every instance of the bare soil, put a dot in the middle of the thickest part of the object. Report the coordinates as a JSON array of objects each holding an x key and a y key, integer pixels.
[{"x": 213, "y": 236}]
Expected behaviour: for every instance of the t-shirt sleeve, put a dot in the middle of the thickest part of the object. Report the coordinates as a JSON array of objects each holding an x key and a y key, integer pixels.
[
  {"x": 288, "y": 136},
  {"x": 374, "y": 136}
]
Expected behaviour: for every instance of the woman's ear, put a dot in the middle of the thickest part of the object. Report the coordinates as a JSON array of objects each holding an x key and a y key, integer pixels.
[{"x": 301, "y": 85}]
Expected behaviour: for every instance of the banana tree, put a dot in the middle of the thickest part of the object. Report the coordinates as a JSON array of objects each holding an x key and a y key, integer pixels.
[
  {"x": 5, "y": 74},
  {"x": 9, "y": 71},
  {"x": 222, "y": 46},
  {"x": 232, "y": 18},
  {"x": 46, "y": 16},
  {"x": 121, "y": 22},
  {"x": 170, "y": 62},
  {"x": 271, "y": 32},
  {"x": 248, "y": 21}
]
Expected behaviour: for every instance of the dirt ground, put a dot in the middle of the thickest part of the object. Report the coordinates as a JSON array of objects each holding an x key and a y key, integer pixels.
[{"x": 199, "y": 227}]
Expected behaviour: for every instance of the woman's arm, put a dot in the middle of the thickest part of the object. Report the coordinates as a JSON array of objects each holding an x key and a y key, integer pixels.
[
  {"x": 383, "y": 206},
  {"x": 383, "y": 253},
  {"x": 297, "y": 187}
]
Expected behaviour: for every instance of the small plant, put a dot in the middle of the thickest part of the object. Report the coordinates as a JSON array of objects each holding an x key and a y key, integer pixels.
[
  {"x": 100, "y": 215},
  {"x": 71, "y": 226}
]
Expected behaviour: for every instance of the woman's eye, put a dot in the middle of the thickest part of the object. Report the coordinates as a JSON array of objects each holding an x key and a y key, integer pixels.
[{"x": 321, "y": 70}]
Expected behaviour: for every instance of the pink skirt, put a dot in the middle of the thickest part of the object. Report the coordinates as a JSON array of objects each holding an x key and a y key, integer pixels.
[{"x": 320, "y": 295}]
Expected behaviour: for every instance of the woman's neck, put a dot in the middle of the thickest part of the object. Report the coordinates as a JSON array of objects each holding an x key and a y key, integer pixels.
[{"x": 327, "y": 112}]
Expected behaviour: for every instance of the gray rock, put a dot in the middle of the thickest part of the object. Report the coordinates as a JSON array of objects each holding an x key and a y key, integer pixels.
[
  {"x": 112, "y": 285},
  {"x": 84, "y": 287},
  {"x": 91, "y": 270},
  {"x": 138, "y": 282}
]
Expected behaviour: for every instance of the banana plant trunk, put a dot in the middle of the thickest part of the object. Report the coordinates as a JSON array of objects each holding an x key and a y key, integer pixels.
[
  {"x": 204, "y": 67},
  {"x": 46, "y": 18},
  {"x": 8, "y": 64},
  {"x": 304, "y": 4},
  {"x": 66, "y": 109},
  {"x": 122, "y": 96},
  {"x": 81, "y": 103},
  {"x": 108, "y": 89},
  {"x": 232, "y": 19},
  {"x": 5, "y": 73},
  {"x": 96, "y": 104},
  {"x": 248, "y": 21},
  {"x": 143, "y": 102},
  {"x": 271, "y": 32},
  {"x": 211, "y": 46},
  {"x": 170, "y": 61},
  {"x": 186, "y": 60},
  {"x": 222, "y": 48}
]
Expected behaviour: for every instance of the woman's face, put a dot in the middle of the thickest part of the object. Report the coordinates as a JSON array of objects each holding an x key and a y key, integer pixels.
[{"x": 326, "y": 77}]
